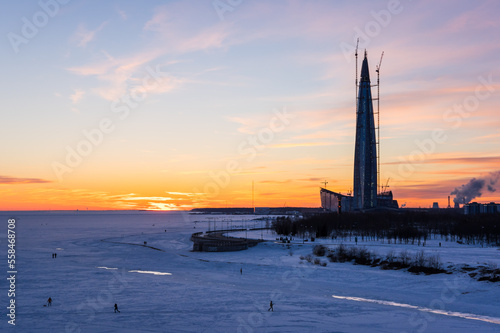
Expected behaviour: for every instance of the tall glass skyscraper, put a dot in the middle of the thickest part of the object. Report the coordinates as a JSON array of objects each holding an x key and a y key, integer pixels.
[{"x": 365, "y": 154}]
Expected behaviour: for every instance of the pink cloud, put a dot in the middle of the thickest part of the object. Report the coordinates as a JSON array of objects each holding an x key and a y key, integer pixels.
[
  {"x": 15, "y": 180},
  {"x": 83, "y": 36}
]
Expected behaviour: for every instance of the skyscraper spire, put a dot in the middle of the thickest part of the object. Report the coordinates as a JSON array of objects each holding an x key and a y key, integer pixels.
[{"x": 365, "y": 155}]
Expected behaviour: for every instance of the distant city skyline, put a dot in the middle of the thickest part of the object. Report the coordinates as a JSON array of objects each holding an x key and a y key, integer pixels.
[{"x": 178, "y": 104}]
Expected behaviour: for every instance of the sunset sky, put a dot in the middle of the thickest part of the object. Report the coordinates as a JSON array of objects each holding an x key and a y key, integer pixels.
[{"x": 182, "y": 104}]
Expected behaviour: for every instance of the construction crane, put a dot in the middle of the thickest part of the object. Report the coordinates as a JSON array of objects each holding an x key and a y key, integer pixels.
[
  {"x": 325, "y": 182},
  {"x": 378, "y": 118},
  {"x": 384, "y": 188},
  {"x": 380, "y": 62}
]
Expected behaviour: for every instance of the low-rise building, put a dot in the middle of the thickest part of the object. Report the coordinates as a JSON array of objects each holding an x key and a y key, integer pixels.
[{"x": 475, "y": 208}]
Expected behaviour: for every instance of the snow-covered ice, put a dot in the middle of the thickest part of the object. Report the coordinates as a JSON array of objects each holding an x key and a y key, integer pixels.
[{"x": 162, "y": 286}]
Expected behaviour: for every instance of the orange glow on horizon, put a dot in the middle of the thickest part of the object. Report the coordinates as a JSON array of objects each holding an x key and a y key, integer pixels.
[{"x": 285, "y": 193}]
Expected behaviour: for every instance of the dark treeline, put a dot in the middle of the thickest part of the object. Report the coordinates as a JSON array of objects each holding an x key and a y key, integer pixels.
[{"x": 403, "y": 226}]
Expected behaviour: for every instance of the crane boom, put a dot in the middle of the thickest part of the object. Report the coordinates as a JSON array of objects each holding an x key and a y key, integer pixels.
[
  {"x": 378, "y": 122},
  {"x": 380, "y": 62}
]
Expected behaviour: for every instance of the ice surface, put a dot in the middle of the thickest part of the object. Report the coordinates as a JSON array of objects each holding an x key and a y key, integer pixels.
[{"x": 206, "y": 292}]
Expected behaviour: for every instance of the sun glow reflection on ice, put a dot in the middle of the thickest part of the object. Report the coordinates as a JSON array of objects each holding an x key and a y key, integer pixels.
[
  {"x": 150, "y": 272},
  {"x": 423, "y": 309}
]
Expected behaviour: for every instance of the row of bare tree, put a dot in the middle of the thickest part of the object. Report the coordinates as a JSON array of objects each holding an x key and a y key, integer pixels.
[{"x": 401, "y": 226}]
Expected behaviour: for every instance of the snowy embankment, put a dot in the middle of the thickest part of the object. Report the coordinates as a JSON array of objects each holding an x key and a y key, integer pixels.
[
  {"x": 478, "y": 261},
  {"x": 176, "y": 290}
]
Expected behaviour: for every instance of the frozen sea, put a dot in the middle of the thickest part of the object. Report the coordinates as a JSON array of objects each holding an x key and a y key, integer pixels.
[{"x": 168, "y": 288}]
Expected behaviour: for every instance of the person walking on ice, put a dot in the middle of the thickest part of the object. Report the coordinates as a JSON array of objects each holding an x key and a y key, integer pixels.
[
  {"x": 49, "y": 302},
  {"x": 271, "y": 307},
  {"x": 116, "y": 308}
]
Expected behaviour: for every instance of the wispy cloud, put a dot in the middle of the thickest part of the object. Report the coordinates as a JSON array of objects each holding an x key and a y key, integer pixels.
[
  {"x": 187, "y": 194},
  {"x": 275, "y": 181},
  {"x": 485, "y": 160},
  {"x": 133, "y": 198},
  {"x": 247, "y": 125},
  {"x": 311, "y": 179},
  {"x": 106, "y": 200},
  {"x": 121, "y": 72},
  {"x": 476, "y": 18},
  {"x": 15, "y": 180},
  {"x": 337, "y": 133},
  {"x": 178, "y": 35},
  {"x": 122, "y": 14},
  {"x": 172, "y": 37},
  {"x": 301, "y": 144},
  {"x": 167, "y": 206},
  {"x": 487, "y": 138},
  {"x": 83, "y": 36},
  {"x": 77, "y": 96}
]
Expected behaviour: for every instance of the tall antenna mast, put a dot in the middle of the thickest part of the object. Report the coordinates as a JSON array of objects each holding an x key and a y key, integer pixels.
[
  {"x": 378, "y": 118},
  {"x": 356, "y": 87},
  {"x": 253, "y": 203}
]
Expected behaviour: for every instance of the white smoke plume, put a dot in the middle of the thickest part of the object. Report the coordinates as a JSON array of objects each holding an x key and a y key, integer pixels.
[{"x": 475, "y": 187}]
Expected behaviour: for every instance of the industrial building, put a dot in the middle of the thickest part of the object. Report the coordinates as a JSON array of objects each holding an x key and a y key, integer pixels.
[
  {"x": 474, "y": 208},
  {"x": 366, "y": 159}
]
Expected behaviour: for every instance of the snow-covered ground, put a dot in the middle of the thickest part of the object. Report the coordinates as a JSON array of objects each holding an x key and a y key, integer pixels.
[{"x": 176, "y": 290}]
